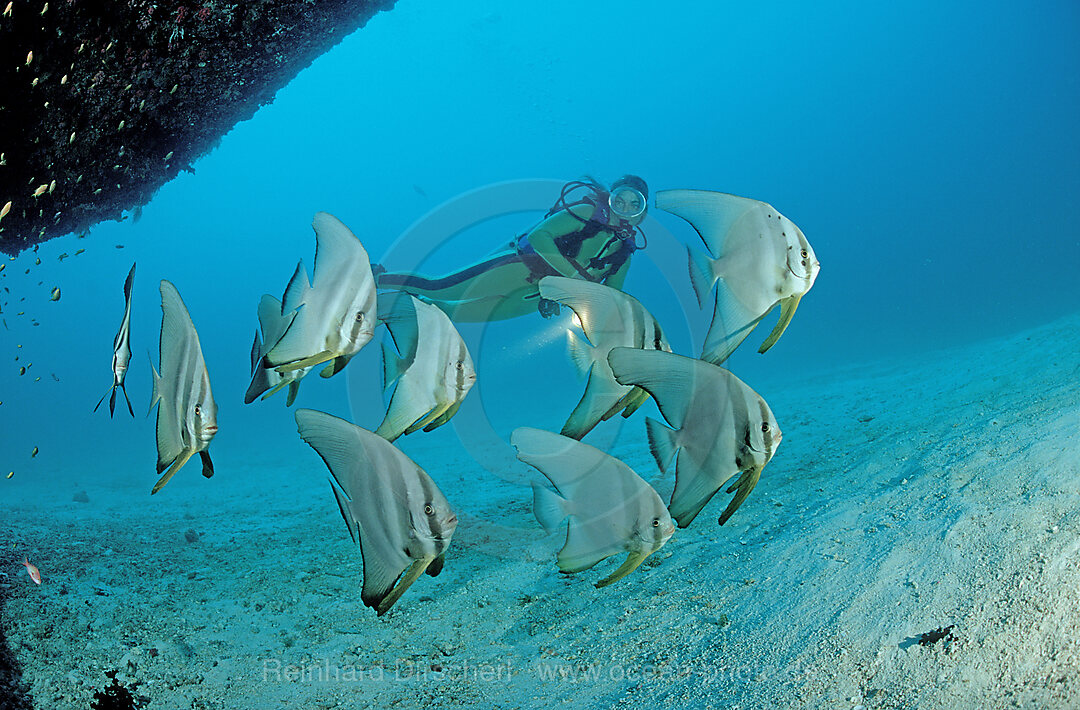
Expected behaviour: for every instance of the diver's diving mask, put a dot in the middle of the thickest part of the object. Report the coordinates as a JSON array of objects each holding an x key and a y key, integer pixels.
[{"x": 627, "y": 203}]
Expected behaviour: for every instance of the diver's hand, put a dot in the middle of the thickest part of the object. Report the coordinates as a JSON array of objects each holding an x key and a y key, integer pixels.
[{"x": 548, "y": 308}]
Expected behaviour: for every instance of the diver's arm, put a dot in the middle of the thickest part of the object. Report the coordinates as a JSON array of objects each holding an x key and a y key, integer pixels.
[
  {"x": 616, "y": 280},
  {"x": 542, "y": 238}
]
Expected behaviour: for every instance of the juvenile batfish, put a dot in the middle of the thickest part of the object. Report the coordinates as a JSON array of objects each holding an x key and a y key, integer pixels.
[
  {"x": 394, "y": 511},
  {"x": 187, "y": 417},
  {"x": 121, "y": 351},
  {"x": 273, "y": 325},
  {"x": 609, "y": 318},
  {"x": 721, "y": 427},
  {"x": 434, "y": 371},
  {"x": 761, "y": 257},
  {"x": 339, "y": 310},
  {"x": 611, "y": 509}
]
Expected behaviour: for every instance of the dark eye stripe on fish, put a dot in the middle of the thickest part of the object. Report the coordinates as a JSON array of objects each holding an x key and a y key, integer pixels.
[
  {"x": 462, "y": 355},
  {"x": 740, "y": 418},
  {"x": 658, "y": 336},
  {"x": 638, "y": 325},
  {"x": 767, "y": 436},
  {"x": 424, "y": 497}
]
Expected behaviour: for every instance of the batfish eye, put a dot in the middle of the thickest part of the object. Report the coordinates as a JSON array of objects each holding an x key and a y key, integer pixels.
[
  {"x": 360, "y": 317},
  {"x": 428, "y": 510},
  {"x": 804, "y": 253},
  {"x": 656, "y": 522},
  {"x": 764, "y": 427},
  {"x": 198, "y": 410}
]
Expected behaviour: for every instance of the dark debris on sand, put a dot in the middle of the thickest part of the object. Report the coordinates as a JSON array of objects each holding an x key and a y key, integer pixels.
[
  {"x": 116, "y": 696},
  {"x": 102, "y": 103}
]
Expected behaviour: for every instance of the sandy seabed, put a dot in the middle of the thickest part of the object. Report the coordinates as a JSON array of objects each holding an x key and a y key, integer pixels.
[{"x": 906, "y": 497}]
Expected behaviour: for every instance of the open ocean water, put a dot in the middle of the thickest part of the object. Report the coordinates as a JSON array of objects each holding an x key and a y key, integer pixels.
[{"x": 926, "y": 386}]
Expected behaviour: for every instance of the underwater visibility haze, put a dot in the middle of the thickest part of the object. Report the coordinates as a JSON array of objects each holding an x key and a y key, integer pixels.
[{"x": 461, "y": 510}]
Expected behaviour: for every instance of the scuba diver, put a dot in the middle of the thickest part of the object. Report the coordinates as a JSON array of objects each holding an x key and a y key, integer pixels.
[{"x": 589, "y": 233}]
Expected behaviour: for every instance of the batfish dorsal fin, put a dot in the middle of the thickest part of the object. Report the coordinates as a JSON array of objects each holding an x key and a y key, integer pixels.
[
  {"x": 397, "y": 310},
  {"x": 335, "y": 245},
  {"x": 713, "y": 215},
  {"x": 669, "y": 378},
  {"x": 296, "y": 290}
]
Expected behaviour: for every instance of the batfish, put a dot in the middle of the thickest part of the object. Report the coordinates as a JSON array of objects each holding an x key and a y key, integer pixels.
[
  {"x": 609, "y": 318},
  {"x": 273, "y": 325},
  {"x": 434, "y": 371},
  {"x": 394, "y": 511},
  {"x": 336, "y": 313},
  {"x": 187, "y": 415},
  {"x": 761, "y": 257},
  {"x": 121, "y": 351},
  {"x": 721, "y": 427},
  {"x": 610, "y": 508}
]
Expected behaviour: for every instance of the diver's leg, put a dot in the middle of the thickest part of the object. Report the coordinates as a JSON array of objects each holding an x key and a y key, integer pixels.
[
  {"x": 497, "y": 276},
  {"x": 479, "y": 310}
]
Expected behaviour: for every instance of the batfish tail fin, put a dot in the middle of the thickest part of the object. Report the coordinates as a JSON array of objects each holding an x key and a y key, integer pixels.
[
  {"x": 393, "y": 366},
  {"x": 702, "y": 274},
  {"x": 581, "y": 353},
  {"x": 548, "y": 507},
  {"x": 662, "y": 442}
]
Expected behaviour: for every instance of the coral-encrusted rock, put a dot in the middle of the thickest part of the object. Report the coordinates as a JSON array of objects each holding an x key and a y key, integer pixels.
[{"x": 102, "y": 103}]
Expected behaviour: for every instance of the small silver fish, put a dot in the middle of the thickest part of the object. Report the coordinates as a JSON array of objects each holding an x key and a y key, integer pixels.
[
  {"x": 121, "y": 351},
  {"x": 609, "y": 318},
  {"x": 187, "y": 417},
  {"x": 760, "y": 255},
  {"x": 721, "y": 427},
  {"x": 339, "y": 309},
  {"x": 435, "y": 373},
  {"x": 394, "y": 511},
  {"x": 611, "y": 508}
]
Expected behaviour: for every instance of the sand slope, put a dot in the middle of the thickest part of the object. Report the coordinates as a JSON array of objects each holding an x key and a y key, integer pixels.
[{"x": 905, "y": 497}]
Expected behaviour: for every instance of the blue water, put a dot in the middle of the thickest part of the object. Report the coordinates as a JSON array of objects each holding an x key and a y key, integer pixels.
[{"x": 928, "y": 151}]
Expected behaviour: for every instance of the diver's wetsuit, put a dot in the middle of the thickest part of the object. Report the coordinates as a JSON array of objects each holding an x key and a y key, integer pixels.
[{"x": 505, "y": 284}]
